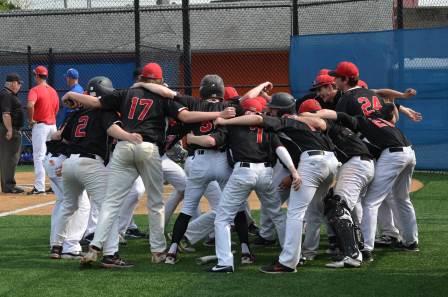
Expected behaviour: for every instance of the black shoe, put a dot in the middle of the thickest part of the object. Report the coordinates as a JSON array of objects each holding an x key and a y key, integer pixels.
[
  {"x": 34, "y": 191},
  {"x": 134, "y": 233},
  {"x": 15, "y": 190},
  {"x": 87, "y": 239},
  {"x": 386, "y": 241},
  {"x": 115, "y": 262},
  {"x": 55, "y": 252},
  {"x": 221, "y": 269},
  {"x": 253, "y": 229},
  {"x": 209, "y": 242},
  {"x": 277, "y": 268},
  {"x": 413, "y": 247},
  {"x": 260, "y": 241},
  {"x": 49, "y": 191},
  {"x": 367, "y": 256}
]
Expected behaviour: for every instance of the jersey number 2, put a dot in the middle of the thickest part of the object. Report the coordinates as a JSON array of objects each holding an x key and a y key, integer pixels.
[
  {"x": 366, "y": 106},
  {"x": 82, "y": 124},
  {"x": 147, "y": 103}
]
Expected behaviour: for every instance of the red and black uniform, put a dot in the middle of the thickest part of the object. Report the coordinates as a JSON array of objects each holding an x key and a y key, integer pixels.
[
  {"x": 142, "y": 112},
  {"x": 359, "y": 101},
  {"x": 87, "y": 132}
]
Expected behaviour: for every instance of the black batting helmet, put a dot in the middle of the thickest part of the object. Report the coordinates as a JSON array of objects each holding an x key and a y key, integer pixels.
[
  {"x": 282, "y": 101},
  {"x": 212, "y": 86},
  {"x": 99, "y": 86}
]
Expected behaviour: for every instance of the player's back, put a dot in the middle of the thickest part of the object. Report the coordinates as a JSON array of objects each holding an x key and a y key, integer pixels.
[{"x": 359, "y": 101}]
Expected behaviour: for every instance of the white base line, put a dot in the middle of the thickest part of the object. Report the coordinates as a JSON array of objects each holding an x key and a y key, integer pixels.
[{"x": 4, "y": 214}]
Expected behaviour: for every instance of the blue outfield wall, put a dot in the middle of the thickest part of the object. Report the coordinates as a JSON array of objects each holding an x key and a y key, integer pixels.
[{"x": 397, "y": 59}]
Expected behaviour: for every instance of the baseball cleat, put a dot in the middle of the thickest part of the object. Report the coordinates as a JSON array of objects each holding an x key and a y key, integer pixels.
[
  {"x": 221, "y": 269},
  {"x": 55, "y": 252},
  {"x": 260, "y": 241},
  {"x": 209, "y": 242},
  {"x": 247, "y": 259},
  {"x": 71, "y": 256},
  {"x": 185, "y": 246},
  {"x": 253, "y": 229},
  {"x": 34, "y": 191},
  {"x": 87, "y": 239},
  {"x": 114, "y": 261},
  {"x": 171, "y": 259},
  {"x": 134, "y": 233},
  {"x": 386, "y": 241},
  {"x": 277, "y": 268},
  {"x": 413, "y": 247},
  {"x": 302, "y": 261},
  {"x": 91, "y": 256},
  {"x": 367, "y": 256},
  {"x": 49, "y": 191},
  {"x": 347, "y": 262},
  {"x": 158, "y": 257}
]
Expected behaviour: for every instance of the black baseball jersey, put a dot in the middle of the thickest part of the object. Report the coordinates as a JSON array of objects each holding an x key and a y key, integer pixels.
[
  {"x": 379, "y": 132},
  {"x": 10, "y": 103},
  {"x": 207, "y": 105},
  {"x": 299, "y": 134},
  {"x": 348, "y": 144},
  {"x": 248, "y": 144},
  {"x": 87, "y": 131},
  {"x": 359, "y": 101},
  {"x": 142, "y": 112},
  {"x": 57, "y": 147}
]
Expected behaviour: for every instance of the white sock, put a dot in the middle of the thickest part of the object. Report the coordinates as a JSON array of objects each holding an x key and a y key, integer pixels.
[
  {"x": 173, "y": 248},
  {"x": 245, "y": 248}
]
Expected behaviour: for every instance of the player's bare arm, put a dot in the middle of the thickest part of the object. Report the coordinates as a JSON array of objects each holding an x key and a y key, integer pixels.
[
  {"x": 117, "y": 132},
  {"x": 257, "y": 91},
  {"x": 204, "y": 140},
  {"x": 411, "y": 114},
  {"x": 187, "y": 116},
  {"x": 323, "y": 114},
  {"x": 394, "y": 94},
  {"x": 157, "y": 89},
  {"x": 30, "y": 109},
  {"x": 315, "y": 123},
  {"x": 86, "y": 100},
  {"x": 245, "y": 120}
]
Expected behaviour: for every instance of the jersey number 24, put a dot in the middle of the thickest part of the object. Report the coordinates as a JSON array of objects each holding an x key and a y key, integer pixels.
[{"x": 367, "y": 108}]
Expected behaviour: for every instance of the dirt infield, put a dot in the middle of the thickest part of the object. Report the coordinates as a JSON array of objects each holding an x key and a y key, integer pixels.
[{"x": 14, "y": 202}]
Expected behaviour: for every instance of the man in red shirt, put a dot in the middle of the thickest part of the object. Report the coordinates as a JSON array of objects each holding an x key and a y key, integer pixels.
[{"x": 43, "y": 106}]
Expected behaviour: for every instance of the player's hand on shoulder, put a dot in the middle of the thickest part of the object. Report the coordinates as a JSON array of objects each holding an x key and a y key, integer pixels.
[
  {"x": 8, "y": 135},
  {"x": 219, "y": 121},
  {"x": 410, "y": 93},
  {"x": 228, "y": 113},
  {"x": 296, "y": 180},
  {"x": 135, "y": 138}
]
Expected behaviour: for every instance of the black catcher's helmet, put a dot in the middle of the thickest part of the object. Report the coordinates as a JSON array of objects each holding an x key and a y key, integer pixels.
[
  {"x": 283, "y": 101},
  {"x": 212, "y": 86},
  {"x": 99, "y": 86}
]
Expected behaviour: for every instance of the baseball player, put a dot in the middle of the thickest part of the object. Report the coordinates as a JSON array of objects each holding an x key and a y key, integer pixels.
[
  {"x": 43, "y": 106},
  {"x": 88, "y": 131},
  {"x": 141, "y": 112},
  {"x": 251, "y": 149},
  {"x": 57, "y": 153},
  {"x": 353, "y": 178},
  {"x": 317, "y": 169},
  {"x": 393, "y": 173}
]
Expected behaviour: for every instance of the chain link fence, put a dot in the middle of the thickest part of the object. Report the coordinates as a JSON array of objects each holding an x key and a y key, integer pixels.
[{"x": 246, "y": 42}]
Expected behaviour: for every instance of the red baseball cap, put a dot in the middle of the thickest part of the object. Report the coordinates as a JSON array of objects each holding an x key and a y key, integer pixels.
[
  {"x": 230, "y": 93},
  {"x": 322, "y": 80},
  {"x": 152, "y": 71},
  {"x": 323, "y": 71},
  {"x": 345, "y": 68},
  {"x": 41, "y": 70},
  {"x": 310, "y": 105},
  {"x": 362, "y": 84},
  {"x": 262, "y": 101},
  {"x": 252, "y": 104}
]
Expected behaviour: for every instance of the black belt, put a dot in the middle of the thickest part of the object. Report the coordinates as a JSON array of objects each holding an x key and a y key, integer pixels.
[
  {"x": 315, "y": 153},
  {"x": 396, "y": 149},
  {"x": 247, "y": 164},
  {"x": 85, "y": 155},
  {"x": 202, "y": 152},
  {"x": 365, "y": 158}
]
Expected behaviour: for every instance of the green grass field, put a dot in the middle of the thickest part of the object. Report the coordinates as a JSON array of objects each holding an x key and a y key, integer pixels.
[{"x": 25, "y": 269}]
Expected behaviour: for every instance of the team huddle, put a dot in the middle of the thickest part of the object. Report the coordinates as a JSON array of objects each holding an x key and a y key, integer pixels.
[{"x": 335, "y": 158}]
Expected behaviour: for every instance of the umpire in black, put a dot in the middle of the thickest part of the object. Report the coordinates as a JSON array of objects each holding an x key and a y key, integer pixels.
[{"x": 10, "y": 137}]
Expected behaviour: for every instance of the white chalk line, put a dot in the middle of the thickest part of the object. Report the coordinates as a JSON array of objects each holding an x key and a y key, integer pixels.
[{"x": 16, "y": 211}]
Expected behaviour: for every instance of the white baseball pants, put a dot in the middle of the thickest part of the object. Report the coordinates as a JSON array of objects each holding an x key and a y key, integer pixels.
[{"x": 41, "y": 133}]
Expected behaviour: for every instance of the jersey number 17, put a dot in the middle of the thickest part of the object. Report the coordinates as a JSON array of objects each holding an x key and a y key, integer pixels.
[{"x": 147, "y": 103}]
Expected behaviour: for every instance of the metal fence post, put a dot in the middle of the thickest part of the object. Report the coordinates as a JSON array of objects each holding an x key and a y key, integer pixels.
[
  {"x": 295, "y": 17},
  {"x": 399, "y": 14},
  {"x": 50, "y": 67},
  {"x": 187, "y": 46},
  {"x": 137, "y": 33},
  {"x": 30, "y": 66}
]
